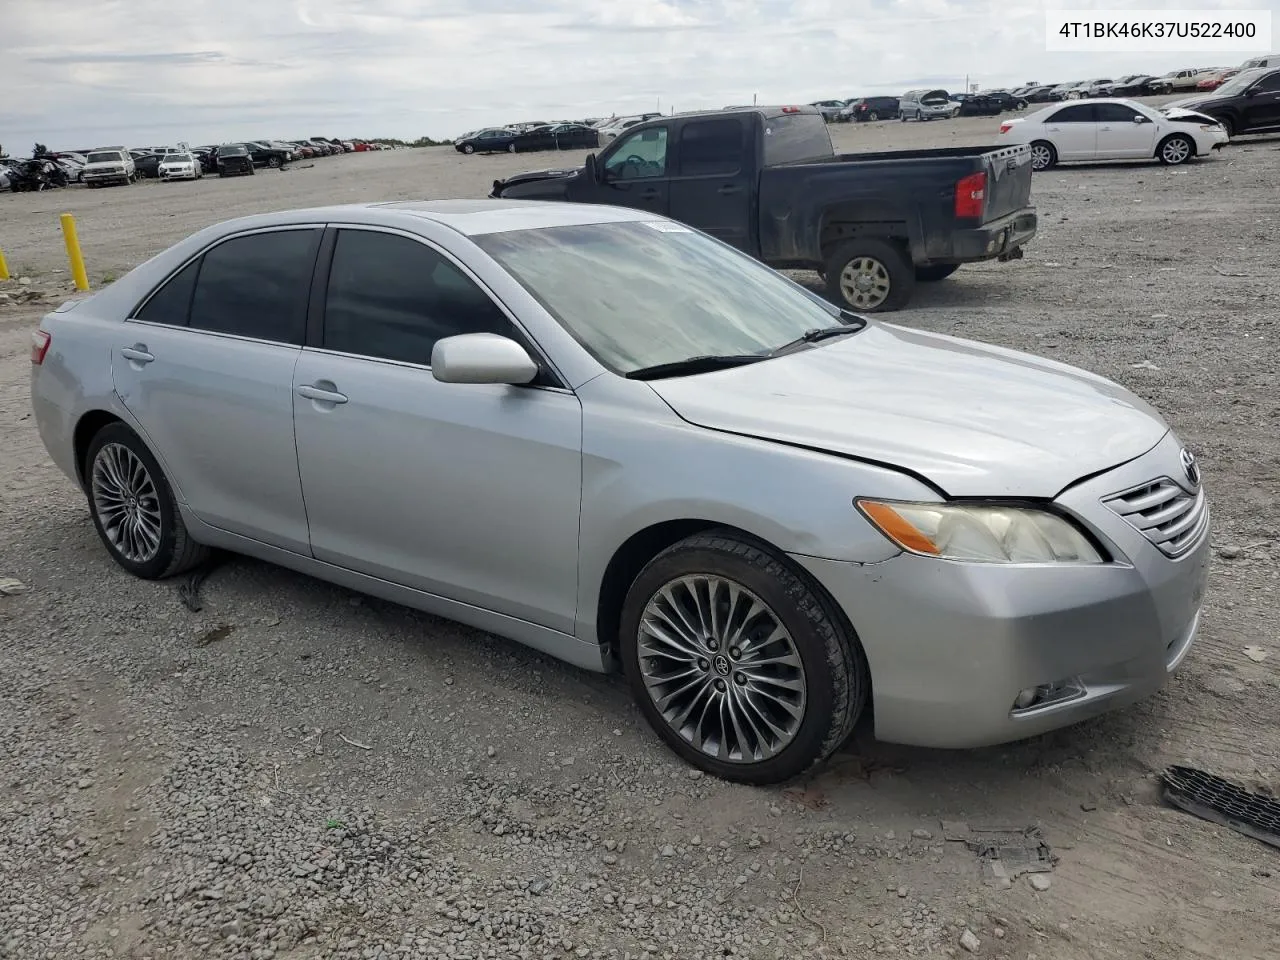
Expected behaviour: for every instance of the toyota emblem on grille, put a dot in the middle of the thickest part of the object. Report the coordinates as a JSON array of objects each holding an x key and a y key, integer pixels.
[{"x": 1190, "y": 467}]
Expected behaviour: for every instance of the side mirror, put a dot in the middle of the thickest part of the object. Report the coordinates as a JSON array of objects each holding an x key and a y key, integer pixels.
[
  {"x": 481, "y": 358},
  {"x": 1139, "y": 118},
  {"x": 1251, "y": 92},
  {"x": 592, "y": 168}
]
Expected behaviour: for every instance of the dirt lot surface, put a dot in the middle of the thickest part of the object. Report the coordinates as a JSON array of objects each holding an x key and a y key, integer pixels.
[{"x": 297, "y": 772}]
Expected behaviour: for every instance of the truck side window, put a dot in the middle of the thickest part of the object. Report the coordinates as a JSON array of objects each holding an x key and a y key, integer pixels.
[
  {"x": 711, "y": 147},
  {"x": 638, "y": 156}
]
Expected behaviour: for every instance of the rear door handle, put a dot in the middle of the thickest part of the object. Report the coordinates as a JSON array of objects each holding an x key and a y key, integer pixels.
[
  {"x": 650, "y": 194},
  {"x": 321, "y": 394},
  {"x": 729, "y": 189},
  {"x": 137, "y": 353}
]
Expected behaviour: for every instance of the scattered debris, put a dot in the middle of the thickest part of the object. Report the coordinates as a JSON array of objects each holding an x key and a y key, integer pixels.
[
  {"x": 1256, "y": 654},
  {"x": 1040, "y": 882},
  {"x": 1144, "y": 365},
  {"x": 1227, "y": 273},
  {"x": 189, "y": 590},
  {"x": 807, "y": 797},
  {"x": 10, "y": 587},
  {"x": 1005, "y": 853},
  {"x": 214, "y": 635},
  {"x": 969, "y": 941},
  {"x": 1088, "y": 806},
  {"x": 1219, "y": 801},
  {"x": 354, "y": 743}
]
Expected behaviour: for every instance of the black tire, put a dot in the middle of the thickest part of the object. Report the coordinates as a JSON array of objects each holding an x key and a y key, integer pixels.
[
  {"x": 1176, "y": 150},
  {"x": 273, "y": 162},
  {"x": 468, "y": 148},
  {"x": 919, "y": 116},
  {"x": 873, "y": 115},
  {"x": 176, "y": 551},
  {"x": 935, "y": 272},
  {"x": 1050, "y": 153},
  {"x": 901, "y": 274},
  {"x": 835, "y": 670},
  {"x": 511, "y": 148},
  {"x": 252, "y": 172}
]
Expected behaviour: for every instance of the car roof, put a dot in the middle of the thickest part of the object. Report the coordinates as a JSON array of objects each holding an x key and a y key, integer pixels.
[{"x": 468, "y": 217}]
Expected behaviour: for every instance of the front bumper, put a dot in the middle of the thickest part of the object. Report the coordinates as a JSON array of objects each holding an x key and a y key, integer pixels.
[
  {"x": 951, "y": 645},
  {"x": 106, "y": 178},
  {"x": 993, "y": 239},
  {"x": 177, "y": 174}
]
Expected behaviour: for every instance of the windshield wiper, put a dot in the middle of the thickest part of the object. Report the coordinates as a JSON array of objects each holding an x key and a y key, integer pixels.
[
  {"x": 817, "y": 335},
  {"x": 691, "y": 365}
]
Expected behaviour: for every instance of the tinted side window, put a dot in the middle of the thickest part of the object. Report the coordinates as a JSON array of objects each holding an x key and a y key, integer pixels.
[
  {"x": 711, "y": 147},
  {"x": 392, "y": 298},
  {"x": 1080, "y": 113},
  {"x": 256, "y": 286},
  {"x": 1268, "y": 84},
  {"x": 1113, "y": 113},
  {"x": 171, "y": 304}
]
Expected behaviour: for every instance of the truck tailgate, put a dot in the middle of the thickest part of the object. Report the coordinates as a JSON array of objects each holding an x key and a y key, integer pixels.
[{"x": 1008, "y": 181}]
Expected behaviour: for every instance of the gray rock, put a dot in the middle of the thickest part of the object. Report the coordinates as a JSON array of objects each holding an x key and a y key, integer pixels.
[
  {"x": 969, "y": 941},
  {"x": 1041, "y": 882}
]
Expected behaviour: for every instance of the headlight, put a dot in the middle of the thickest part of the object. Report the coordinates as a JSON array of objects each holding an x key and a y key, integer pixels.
[{"x": 980, "y": 534}]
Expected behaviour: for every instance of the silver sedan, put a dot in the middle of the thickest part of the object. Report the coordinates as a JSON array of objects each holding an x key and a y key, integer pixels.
[{"x": 619, "y": 441}]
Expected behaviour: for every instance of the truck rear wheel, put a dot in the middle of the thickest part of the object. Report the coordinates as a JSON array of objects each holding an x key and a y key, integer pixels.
[{"x": 868, "y": 276}]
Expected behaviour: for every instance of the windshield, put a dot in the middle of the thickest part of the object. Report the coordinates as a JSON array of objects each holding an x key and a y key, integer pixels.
[
  {"x": 639, "y": 294},
  {"x": 236, "y": 151},
  {"x": 1239, "y": 83},
  {"x": 108, "y": 157}
]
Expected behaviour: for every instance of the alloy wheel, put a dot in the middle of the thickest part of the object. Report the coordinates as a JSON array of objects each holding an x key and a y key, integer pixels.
[
  {"x": 721, "y": 669},
  {"x": 1175, "y": 151},
  {"x": 865, "y": 283},
  {"x": 127, "y": 502},
  {"x": 1041, "y": 157}
]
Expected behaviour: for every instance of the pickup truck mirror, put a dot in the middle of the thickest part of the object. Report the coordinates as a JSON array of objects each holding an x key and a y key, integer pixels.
[{"x": 592, "y": 168}]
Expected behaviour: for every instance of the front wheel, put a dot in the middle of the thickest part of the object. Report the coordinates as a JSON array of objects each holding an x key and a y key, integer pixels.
[
  {"x": 936, "y": 272},
  {"x": 511, "y": 148},
  {"x": 133, "y": 507},
  {"x": 873, "y": 115},
  {"x": 919, "y": 115},
  {"x": 468, "y": 148},
  {"x": 867, "y": 276},
  {"x": 737, "y": 663},
  {"x": 273, "y": 162},
  {"x": 1176, "y": 150}
]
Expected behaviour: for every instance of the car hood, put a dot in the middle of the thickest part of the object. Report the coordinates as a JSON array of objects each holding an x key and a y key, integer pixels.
[
  {"x": 974, "y": 420},
  {"x": 1193, "y": 103}
]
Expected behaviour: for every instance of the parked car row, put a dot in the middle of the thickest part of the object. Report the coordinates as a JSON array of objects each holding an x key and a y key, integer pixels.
[{"x": 539, "y": 135}]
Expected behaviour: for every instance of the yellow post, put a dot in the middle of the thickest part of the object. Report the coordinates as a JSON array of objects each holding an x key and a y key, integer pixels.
[
  {"x": 73, "y": 252},
  {"x": 4, "y": 267}
]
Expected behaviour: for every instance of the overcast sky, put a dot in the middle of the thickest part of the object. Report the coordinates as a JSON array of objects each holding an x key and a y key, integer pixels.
[{"x": 149, "y": 72}]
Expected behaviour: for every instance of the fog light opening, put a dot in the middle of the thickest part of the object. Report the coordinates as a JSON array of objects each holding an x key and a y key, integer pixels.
[{"x": 1048, "y": 694}]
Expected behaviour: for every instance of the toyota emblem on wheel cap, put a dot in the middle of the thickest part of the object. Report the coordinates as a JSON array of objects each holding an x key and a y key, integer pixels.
[{"x": 1190, "y": 467}]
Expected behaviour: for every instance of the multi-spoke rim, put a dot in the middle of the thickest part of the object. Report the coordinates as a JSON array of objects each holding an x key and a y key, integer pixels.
[
  {"x": 1176, "y": 150},
  {"x": 721, "y": 668},
  {"x": 864, "y": 282},
  {"x": 127, "y": 502},
  {"x": 1040, "y": 157}
]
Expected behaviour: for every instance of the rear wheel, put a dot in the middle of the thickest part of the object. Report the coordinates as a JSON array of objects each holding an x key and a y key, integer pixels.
[
  {"x": 737, "y": 662},
  {"x": 511, "y": 148},
  {"x": 935, "y": 272},
  {"x": 133, "y": 507},
  {"x": 1043, "y": 155},
  {"x": 866, "y": 276},
  {"x": 468, "y": 148},
  {"x": 1175, "y": 150},
  {"x": 919, "y": 115},
  {"x": 873, "y": 115}
]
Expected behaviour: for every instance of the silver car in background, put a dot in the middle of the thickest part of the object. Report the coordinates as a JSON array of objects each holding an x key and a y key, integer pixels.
[
  {"x": 926, "y": 105},
  {"x": 622, "y": 442}
]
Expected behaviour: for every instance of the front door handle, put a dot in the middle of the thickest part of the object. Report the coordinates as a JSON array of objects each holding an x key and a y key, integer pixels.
[
  {"x": 322, "y": 393},
  {"x": 138, "y": 353},
  {"x": 728, "y": 189},
  {"x": 650, "y": 194}
]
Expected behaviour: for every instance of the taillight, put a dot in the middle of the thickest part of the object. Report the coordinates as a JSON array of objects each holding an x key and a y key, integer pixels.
[
  {"x": 790, "y": 109},
  {"x": 971, "y": 194},
  {"x": 39, "y": 346},
  {"x": 1006, "y": 127}
]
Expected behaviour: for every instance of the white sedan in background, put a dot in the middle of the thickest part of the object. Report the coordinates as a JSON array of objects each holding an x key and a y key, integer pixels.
[
  {"x": 1113, "y": 130},
  {"x": 180, "y": 166}
]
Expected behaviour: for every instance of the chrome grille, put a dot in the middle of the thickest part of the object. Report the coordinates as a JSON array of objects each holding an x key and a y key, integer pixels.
[{"x": 1164, "y": 513}]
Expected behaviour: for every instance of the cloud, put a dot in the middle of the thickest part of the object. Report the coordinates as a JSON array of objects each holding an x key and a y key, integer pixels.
[{"x": 139, "y": 71}]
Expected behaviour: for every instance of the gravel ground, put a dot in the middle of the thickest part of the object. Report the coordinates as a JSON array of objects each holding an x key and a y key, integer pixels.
[{"x": 299, "y": 772}]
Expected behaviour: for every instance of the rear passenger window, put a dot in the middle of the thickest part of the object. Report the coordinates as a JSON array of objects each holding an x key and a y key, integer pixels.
[
  {"x": 257, "y": 285},
  {"x": 711, "y": 147},
  {"x": 171, "y": 304},
  {"x": 392, "y": 298},
  {"x": 1080, "y": 113}
]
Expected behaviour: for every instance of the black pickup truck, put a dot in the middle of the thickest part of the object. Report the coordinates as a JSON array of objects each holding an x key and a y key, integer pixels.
[{"x": 768, "y": 181}]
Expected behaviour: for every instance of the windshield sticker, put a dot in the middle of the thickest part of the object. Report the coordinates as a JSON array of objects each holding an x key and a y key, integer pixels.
[{"x": 665, "y": 226}]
